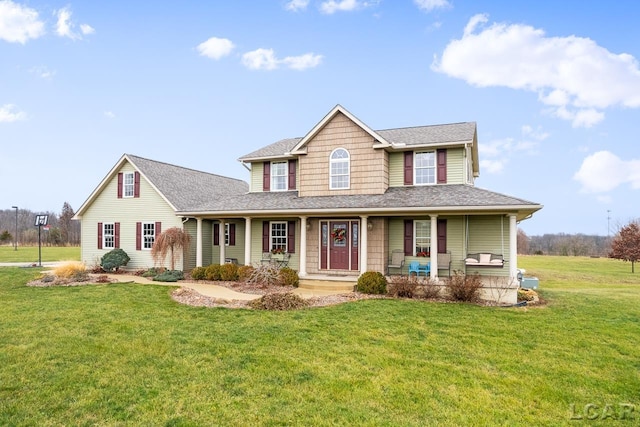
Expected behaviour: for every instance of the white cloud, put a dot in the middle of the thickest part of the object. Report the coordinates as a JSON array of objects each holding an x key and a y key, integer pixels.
[
  {"x": 9, "y": 113},
  {"x": 537, "y": 134},
  {"x": 260, "y": 59},
  {"x": 87, "y": 29},
  {"x": 573, "y": 76},
  {"x": 109, "y": 115},
  {"x": 215, "y": 47},
  {"x": 65, "y": 28},
  {"x": 492, "y": 166},
  {"x": 302, "y": 62},
  {"x": 19, "y": 23},
  {"x": 265, "y": 59},
  {"x": 296, "y": 5},
  {"x": 42, "y": 72},
  {"x": 604, "y": 171},
  {"x": 430, "y": 5},
  {"x": 332, "y": 6}
]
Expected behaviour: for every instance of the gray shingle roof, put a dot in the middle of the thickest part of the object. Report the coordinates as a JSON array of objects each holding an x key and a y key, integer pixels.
[
  {"x": 434, "y": 134},
  {"x": 186, "y": 188},
  {"x": 410, "y": 198},
  {"x": 419, "y": 135}
]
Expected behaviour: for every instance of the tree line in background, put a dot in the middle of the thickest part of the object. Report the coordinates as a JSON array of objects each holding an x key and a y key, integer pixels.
[
  {"x": 63, "y": 231},
  {"x": 564, "y": 244}
]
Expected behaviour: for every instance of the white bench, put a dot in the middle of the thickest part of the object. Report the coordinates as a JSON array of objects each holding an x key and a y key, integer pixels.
[{"x": 484, "y": 259}]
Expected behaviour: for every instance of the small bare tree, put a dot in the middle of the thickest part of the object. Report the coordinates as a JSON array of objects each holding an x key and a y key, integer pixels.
[
  {"x": 170, "y": 242},
  {"x": 626, "y": 244}
]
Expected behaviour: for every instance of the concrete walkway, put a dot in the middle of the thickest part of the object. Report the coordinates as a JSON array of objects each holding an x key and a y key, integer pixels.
[{"x": 216, "y": 291}]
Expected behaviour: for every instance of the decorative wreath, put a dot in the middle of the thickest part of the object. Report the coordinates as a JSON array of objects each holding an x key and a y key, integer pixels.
[{"x": 339, "y": 234}]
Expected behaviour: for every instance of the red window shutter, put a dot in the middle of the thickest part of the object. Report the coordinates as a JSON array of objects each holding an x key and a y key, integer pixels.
[
  {"x": 292, "y": 174},
  {"x": 120, "y": 179},
  {"x": 442, "y": 166},
  {"x": 138, "y": 236},
  {"x": 408, "y": 168},
  {"x": 136, "y": 186},
  {"x": 216, "y": 234},
  {"x": 158, "y": 229},
  {"x": 99, "y": 235},
  {"x": 442, "y": 236},
  {"x": 116, "y": 237},
  {"x": 265, "y": 236},
  {"x": 408, "y": 237},
  {"x": 232, "y": 234},
  {"x": 266, "y": 177},
  {"x": 291, "y": 237}
]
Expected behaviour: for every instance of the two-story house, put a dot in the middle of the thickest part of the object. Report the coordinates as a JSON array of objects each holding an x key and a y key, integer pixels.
[{"x": 339, "y": 201}]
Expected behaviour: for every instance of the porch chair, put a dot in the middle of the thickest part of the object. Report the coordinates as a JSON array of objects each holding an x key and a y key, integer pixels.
[
  {"x": 397, "y": 261},
  {"x": 415, "y": 267},
  {"x": 266, "y": 258},
  {"x": 444, "y": 261}
]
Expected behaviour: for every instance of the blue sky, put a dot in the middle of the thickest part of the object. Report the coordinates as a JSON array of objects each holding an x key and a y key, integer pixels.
[{"x": 553, "y": 86}]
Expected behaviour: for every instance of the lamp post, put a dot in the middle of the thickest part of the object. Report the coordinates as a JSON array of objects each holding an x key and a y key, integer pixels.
[{"x": 16, "y": 238}]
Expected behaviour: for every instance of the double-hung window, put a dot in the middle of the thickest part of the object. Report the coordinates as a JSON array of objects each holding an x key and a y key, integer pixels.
[
  {"x": 422, "y": 236},
  {"x": 108, "y": 235},
  {"x": 339, "y": 169},
  {"x": 425, "y": 168},
  {"x": 128, "y": 184},
  {"x": 278, "y": 236},
  {"x": 148, "y": 234},
  {"x": 279, "y": 176}
]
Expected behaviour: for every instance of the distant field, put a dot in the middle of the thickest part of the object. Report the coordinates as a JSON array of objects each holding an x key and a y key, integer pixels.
[
  {"x": 29, "y": 254},
  {"x": 127, "y": 354}
]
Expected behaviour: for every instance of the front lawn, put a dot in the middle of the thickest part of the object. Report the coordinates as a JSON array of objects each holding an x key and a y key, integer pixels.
[
  {"x": 29, "y": 254},
  {"x": 128, "y": 354}
]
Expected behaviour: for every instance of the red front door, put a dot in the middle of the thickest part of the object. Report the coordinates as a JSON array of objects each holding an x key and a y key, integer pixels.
[{"x": 339, "y": 245}]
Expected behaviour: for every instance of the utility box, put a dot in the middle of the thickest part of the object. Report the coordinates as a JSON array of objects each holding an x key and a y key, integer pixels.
[{"x": 529, "y": 282}]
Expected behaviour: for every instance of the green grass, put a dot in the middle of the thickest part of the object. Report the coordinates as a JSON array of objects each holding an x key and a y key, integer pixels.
[
  {"x": 29, "y": 254},
  {"x": 128, "y": 355}
]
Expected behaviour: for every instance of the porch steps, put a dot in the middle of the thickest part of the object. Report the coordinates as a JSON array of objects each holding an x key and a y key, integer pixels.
[{"x": 328, "y": 283}]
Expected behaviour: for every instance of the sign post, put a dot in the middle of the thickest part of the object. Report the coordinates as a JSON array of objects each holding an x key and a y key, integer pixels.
[{"x": 41, "y": 220}]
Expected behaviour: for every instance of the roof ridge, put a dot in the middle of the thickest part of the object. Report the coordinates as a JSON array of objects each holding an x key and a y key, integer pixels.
[
  {"x": 425, "y": 126},
  {"x": 182, "y": 167}
]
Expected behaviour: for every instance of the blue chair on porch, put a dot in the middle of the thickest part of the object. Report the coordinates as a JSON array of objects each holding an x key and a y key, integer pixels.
[{"x": 415, "y": 267}]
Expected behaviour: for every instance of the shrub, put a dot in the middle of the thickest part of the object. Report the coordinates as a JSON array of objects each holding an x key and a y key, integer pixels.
[
  {"x": 114, "y": 259},
  {"x": 71, "y": 269},
  {"x": 103, "y": 278},
  {"x": 372, "y": 282},
  {"x": 199, "y": 273},
  {"x": 169, "y": 276},
  {"x": 244, "y": 272},
  {"x": 265, "y": 275},
  {"x": 430, "y": 289},
  {"x": 212, "y": 272},
  {"x": 465, "y": 288},
  {"x": 288, "y": 277},
  {"x": 153, "y": 272},
  {"x": 526, "y": 295},
  {"x": 403, "y": 286},
  {"x": 229, "y": 272},
  {"x": 279, "y": 301}
]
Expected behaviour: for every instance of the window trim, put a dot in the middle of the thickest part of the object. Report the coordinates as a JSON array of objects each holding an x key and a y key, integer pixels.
[
  {"x": 131, "y": 186},
  {"x": 333, "y": 161},
  {"x": 105, "y": 235},
  {"x": 144, "y": 236},
  {"x": 434, "y": 167},
  {"x": 285, "y": 176},
  {"x": 284, "y": 245},
  {"x": 415, "y": 235}
]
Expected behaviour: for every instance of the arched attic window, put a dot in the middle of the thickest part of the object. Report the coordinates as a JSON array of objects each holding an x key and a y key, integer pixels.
[{"x": 339, "y": 169}]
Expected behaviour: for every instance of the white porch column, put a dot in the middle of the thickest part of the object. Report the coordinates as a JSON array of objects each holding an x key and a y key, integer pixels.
[
  {"x": 434, "y": 246},
  {"x": 513, "y": 248},
  {"x": 247, "y": 241},
  {"x": 302, "y": 270},
  {"x": 198, "y": 242},
  {"x": 223, "y": 247},
  {"x": 364, "y": 253}
]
